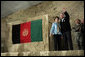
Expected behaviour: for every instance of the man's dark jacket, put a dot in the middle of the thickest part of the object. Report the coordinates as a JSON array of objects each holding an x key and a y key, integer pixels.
[{"x": 65, "y": 26}]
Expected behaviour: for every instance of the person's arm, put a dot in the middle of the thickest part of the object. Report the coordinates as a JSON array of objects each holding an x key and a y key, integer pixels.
[
  {"x": 52, "y": 29},
  {"x": 73, "y": 28},
  {"x": 76, "y": 28},
  {"x": 67, "y": 17}
]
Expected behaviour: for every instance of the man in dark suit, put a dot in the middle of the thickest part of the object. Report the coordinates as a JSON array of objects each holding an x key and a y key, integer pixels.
[
  {"x": 66, "y": 30},
  {"x": 82, "y": 32}
]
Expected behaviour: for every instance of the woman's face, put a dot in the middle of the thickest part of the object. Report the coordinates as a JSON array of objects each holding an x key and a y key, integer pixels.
[{"x": 56, "y": 20}]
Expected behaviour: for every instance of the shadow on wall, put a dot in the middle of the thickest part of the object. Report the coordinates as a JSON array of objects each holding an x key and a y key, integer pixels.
[{"x": 9, "y": 7}]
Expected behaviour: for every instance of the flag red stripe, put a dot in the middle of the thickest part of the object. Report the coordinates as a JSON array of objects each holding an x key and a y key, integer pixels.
[{"x": 25, "y": 32}]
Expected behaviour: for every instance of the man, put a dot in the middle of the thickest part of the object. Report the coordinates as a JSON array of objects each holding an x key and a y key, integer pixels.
[
  {"x": 56, "y": 32},
  {"x": 66, "y": 29},
  {"x": 82, "y": 32},
  {"x": 77, "y": 30}
]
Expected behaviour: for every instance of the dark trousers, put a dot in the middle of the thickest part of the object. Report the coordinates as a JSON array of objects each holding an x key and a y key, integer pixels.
[
  {"x": 79, "y": 44},
  {"x": 80, "y": 41},
  {"x": 67, "y": 40},
  {"x": 57, "y": 42},
  {"x": 83, "y": 41}
]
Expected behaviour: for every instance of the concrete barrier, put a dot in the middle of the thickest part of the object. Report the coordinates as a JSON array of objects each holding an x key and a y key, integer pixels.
[{"x": 46, "y": 53}]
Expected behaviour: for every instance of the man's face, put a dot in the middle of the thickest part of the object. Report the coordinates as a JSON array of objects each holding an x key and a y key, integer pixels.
[
  {"x": 82, "y": 21},
  {"x": 76, "y": 21},
  {"x": 61, "y": 16}
]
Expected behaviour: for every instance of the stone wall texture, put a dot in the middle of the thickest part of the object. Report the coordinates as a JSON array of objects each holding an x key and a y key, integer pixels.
[{"x": 46, "y": 53}]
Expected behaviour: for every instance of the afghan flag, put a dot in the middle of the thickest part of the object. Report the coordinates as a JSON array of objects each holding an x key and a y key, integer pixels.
[{"x": 27, "y": 32}]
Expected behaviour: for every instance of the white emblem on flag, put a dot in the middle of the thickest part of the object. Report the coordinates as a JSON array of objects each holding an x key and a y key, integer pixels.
[{"x": 25, "y": 32}]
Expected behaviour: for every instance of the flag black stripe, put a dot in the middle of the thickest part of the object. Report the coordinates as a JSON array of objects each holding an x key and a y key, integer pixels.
[{"x": 16, "y": 34}]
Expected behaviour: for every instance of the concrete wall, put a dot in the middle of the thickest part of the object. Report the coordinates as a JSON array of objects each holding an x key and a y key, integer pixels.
[
  {"x": 8, "y": 7},
  {"x": 46, "y": 53}
]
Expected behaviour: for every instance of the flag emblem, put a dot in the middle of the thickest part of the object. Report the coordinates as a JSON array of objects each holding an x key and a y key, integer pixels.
[{"x": 25, "y": 32}]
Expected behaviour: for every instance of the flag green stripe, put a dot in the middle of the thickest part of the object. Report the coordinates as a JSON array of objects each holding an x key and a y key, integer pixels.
[{"x": 36, "y": 30}]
